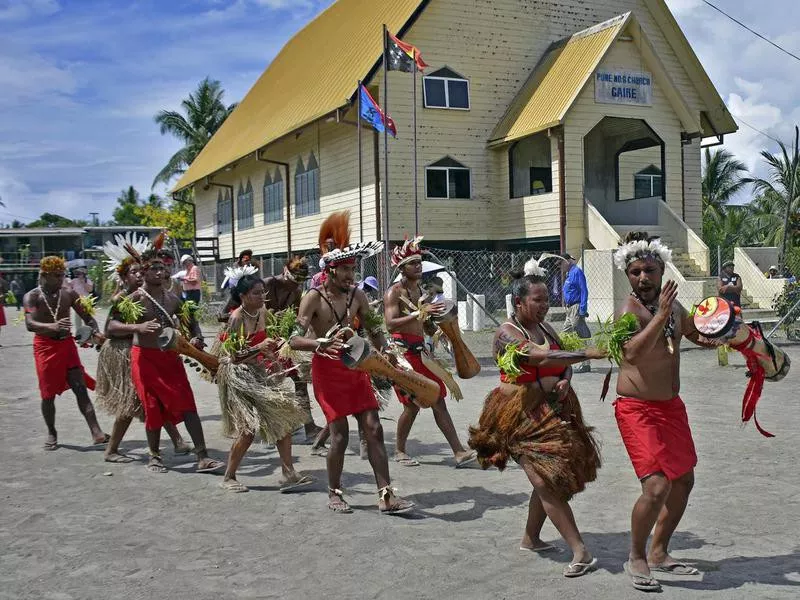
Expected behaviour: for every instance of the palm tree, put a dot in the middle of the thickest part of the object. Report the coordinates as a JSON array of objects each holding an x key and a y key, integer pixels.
[
  {"x": 205, "y": 113},
  {"x": 722, "y": 179},
  {"x": 783, "y": 186}
]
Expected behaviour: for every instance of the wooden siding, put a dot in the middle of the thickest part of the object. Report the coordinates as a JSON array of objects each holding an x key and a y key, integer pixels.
[{"x": 692, "y": 187}]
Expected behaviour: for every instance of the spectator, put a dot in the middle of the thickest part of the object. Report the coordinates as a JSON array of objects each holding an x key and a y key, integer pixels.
[
  {"x": 316, "y": 280},
  {"x": 576, "y": 301},
  {"x": 730, "y": 284},
  {"x": 192, "y": 279},
  {"x": 370, "y": 287},
  {"x": 772, "y": 273},
  {"x": 245, "y": 257},
  {"x": 18, "y": 289},
  {"x": 83, "y": 286},
  {"x": 787, "y": 275}
]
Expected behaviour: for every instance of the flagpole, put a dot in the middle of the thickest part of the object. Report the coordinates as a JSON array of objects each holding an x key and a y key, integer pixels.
[
  {"x": 416, "y": 191},
  {"x": 360, "y": 195},
  {"x": 386, "y": 156}
]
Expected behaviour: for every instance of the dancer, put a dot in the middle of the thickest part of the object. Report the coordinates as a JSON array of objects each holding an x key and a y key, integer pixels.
[
  {"x": 159, "y": 377},
  {"x": 58, "y": 365},
  {"x": 284, "y": 292},
  {"x": 535, "y": 418},
  {"x": 3, "y": 291},
  {"x": 405, "y": 323},
  {"x": 250, "y": 397},
  {"x": 650, "y": 413},
  {"x": 342, "y": 392},
  {"x": 115, "y": 392}
]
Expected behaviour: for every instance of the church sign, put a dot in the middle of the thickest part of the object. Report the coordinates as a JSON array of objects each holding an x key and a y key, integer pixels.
[{"x": 623, "y": 87}]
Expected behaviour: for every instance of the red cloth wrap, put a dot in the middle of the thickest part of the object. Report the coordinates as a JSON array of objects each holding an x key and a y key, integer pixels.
[
  {"x": 415, "y": 359},
  {"x": 2, "y": 316},
  {"x": 657, "y": 436},
  {"x": 340, "y": 391},
  {"x": 161, "y": 383},
  {"x": 756, "y": 384},
  {"x": 54, "y": 358}
]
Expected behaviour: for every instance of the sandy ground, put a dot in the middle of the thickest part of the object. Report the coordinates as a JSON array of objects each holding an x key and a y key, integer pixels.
[{"x": 74, "y": 527}]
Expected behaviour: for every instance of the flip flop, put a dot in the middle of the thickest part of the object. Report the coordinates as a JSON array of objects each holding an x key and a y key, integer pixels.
[
  {"x": 50, "y": 446},
  {"x": 470, "y": 458},
  {"x": 214, "y": 465},
  {"x": 542, "y": 549},
  {"x": 154, "y": 465},
  {"x": 676, "y": 568},
  {"x": 118, "y": 458},
  {"x": 578, "y": 569},
  {"x": 234, "y": 486},
  {"x": 301, "y": 481},
  {"x": 406, "y": 461},
  {"x": 640, "y": 581},
  {"x": 104, "y": 441},
  {"x": 321, "y": 451}
]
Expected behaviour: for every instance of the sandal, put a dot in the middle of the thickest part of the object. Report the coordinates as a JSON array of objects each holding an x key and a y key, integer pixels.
[
  {"x": 319, "y": 451},
  {"x": 577, "y": 569},
  {"x": 640, "y": 581},
  {"x": 336, "y": 502},
  {"x": 471, "y": 457},
  {"x": 231, "y": 485},
  {"x": 676, "y": 568},
  {"x": 155, "y": 464},
  {"x": 50, "y": 445},
  {"x": 105, "y": 440},
  {"x": 211, "y": 466},
  {"x": 389, "y": 504},
  {"x": 116, "y": 457},
  {"x": 291, "y": 483},
  {"x": 405, "y": 460}
]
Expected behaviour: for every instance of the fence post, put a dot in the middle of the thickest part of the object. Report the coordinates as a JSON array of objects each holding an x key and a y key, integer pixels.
[{"x": 719, "y": 260}]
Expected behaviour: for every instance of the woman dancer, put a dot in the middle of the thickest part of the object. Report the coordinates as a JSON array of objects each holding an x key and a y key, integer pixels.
[
  {"x": 115, "y": 392},
  {"x": 534, "y": 417},
  {"x": 250, "y": 398}
]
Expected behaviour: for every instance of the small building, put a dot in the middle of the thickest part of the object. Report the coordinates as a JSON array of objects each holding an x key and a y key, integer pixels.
[{"x": 551, "y": 126}]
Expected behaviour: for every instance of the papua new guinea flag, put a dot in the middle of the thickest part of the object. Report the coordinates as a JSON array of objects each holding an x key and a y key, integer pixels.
[
  {"x": 403, "y": 56},
  {"x": 372, "y": 113}
]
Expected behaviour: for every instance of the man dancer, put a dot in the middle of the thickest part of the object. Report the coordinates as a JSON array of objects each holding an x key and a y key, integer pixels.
[
  {"x": 576, "y": 299},
  {"x": 159, "y": 377},
  {"x": 58, "y": 366},
  {"x": 340, "y": 391},
  {"x": 650, "y": 414},
  {"x": 406, "y": 326},
  {"x": 282, "y": 292}
]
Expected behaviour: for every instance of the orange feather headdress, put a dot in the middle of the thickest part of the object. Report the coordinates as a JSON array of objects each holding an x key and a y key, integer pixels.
[
  {"x": 334, "y": 241},
  {"x": 52, "y": 264}
]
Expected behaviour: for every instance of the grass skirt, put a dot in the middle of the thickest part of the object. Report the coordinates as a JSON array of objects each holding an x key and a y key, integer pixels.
[
  {"x": 215, "y": 350},
  {"x": 518, "y": 421},
  {"x": 252, "y": 403},
  {"x": 115, "y": 393}
]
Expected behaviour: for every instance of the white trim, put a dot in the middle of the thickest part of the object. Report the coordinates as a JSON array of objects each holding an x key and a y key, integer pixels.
[
  {"x": 446, "y": 93},
  {"x": 447, "y": 180}
]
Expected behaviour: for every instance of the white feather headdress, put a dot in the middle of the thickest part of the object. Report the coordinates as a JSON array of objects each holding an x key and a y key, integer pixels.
[
  {"x": 119, "y": 253},
  {"x": 627, "y": 253},
  {"x": 234, "y": 274},
  {"x": 532, "y": 268}
]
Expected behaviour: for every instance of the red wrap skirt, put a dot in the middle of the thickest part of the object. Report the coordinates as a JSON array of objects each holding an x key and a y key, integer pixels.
[
  {"x": 2, "y": 315},
  {"x": 162, "y": 386},
  {"x": 54, "y": 358},
  {"x": 415, "y": 360},
  {"x": 657, "y": 436},
  {"x": 340, "y": 391}
]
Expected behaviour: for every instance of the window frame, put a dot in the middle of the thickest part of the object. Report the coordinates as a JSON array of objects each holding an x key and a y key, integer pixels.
[
  {"x": 270, "y": 184},
  {"x": 245, "y": 208},
  {"x": 224, "y": 221},
  {"x": 447, "y": 172},
  {"x": 307, "y": 202},
  {"x": 446, "y": 93},
  {"x": 653, "y": 188}
]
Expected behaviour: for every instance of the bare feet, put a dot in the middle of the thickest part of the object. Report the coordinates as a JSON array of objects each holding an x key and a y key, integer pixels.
[
  {"x": 209, "y": 465},
  {"x": 389, "y": 504},
  {"x": 116, "y": 457},
  {"x": 155, "y": 465},
  {"x": 233, "y": 486},
  {"x": 101, "y": 439},
  {"x": 465, "y": 457},
  {"x": 336, "y": 502},
  {"x": 50, "y": 443}
]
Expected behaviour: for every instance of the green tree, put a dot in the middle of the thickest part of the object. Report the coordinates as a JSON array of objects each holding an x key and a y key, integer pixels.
[
  {"x": 127, "y": 203},
  {"x": 175, "y": 217},
  {"x": 782, "y": 187},
  {"x": 53, "y": 220},
  {"x": 205, "y": 112},
  {"x": 723, "y": 177}
]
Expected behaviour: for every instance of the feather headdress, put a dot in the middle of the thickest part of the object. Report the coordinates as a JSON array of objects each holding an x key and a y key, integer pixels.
[
  {"x": 406, "y": 252},
  {"x": 532, "y": 268},
  {"x": 638, "y": 245},
  {"x": 334, "y": 241},
  {"x": 52, "y": 264},
  {"x": 234, "y": 274},
  {"x": 154, "y": 249},
  {"x": 123, "y": 252}
]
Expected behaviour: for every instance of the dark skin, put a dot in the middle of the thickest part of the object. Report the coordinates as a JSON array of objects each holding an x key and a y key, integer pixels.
[
  {"x": 530, "y": 311},
  {"x": 737, "y": 287},
  {"x": 398, "y": 319},
  {"x": 145, "y": 334},
  {"x": 132, "y": 280},
  {"x": 39, "y": 320},
  {"x": 316, "y": 314},
  {"x": 650, "y": 372}
]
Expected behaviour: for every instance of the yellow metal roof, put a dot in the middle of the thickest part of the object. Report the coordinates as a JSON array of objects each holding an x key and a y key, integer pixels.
[
  {"x": 315, "y": 73},
  {"x": 556, "y": 82}
]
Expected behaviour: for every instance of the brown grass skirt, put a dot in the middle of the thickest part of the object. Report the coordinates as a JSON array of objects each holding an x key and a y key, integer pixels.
[
  {"x": 115, "y": 393},
  {"x": 517, "y": 421}
]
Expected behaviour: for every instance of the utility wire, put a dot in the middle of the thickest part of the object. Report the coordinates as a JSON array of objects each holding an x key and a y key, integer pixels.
[{"x": 755, "y": 33}]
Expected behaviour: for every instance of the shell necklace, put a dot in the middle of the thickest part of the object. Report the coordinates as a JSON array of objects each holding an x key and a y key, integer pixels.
[
  {"x": 158, "y": 306},
  {"x": 47, "y": 303}
]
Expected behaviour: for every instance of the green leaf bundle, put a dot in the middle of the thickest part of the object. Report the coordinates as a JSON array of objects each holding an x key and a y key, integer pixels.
[
  {"x": 509, "y": 361},
  {"x": 614, "y": 334},
  {"x": 280, "y": 324},
  {"x": 373, "y": 320},
  {"x": 130, "y": 311},
  {"x": 10, "y": 298},
  {"x": 236, "y": 341},
  {"x": 572, "y": 342},
  {"x": 88, "y": 303}
]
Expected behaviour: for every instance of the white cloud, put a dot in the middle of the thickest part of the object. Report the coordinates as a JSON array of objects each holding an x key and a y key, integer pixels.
[
  {"x": 20, "y": 10},
  {"x": 680, "y": 7}
]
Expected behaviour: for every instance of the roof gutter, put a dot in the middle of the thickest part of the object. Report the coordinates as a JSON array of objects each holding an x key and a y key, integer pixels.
[
  {"x": 210, "y": 183},
  {"x": 288, "y": 189}
]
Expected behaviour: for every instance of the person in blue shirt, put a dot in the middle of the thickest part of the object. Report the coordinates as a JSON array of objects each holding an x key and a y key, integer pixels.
[{"x": 576, "y": 299}]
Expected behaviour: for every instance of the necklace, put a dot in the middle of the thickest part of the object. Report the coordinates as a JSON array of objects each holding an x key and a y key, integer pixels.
[
  {"x": 47, "y": 303},
  {"x": 669, "y": 328},
  {"x": 158, "y": 306},
  {"x": 255, "y": 316}
]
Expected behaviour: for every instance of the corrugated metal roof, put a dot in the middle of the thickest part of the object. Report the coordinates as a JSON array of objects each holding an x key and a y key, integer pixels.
[
  {"x": 45, "y": 231},
  {"x": 556, "y": 82},
  {"x": 315, "y": 73}
]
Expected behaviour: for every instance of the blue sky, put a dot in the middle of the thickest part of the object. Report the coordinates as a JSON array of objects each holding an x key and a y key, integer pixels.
[{"x": 82, "y": 79}]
